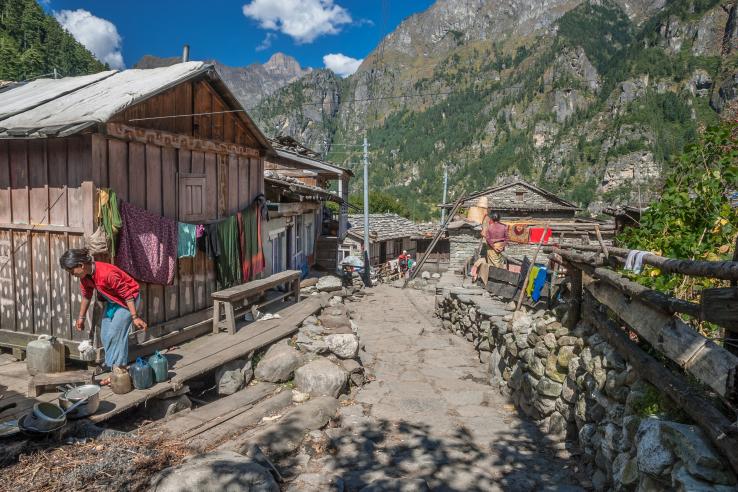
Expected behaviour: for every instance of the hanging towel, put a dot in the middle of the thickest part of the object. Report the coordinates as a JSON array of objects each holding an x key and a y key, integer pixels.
[
  {"x": 634, "y": 261},
  {"x": 199, "y": 231},
  {"x": 186, "y": 246},
  {"x": 147, "y": 245},
  {"x": 519, "y": 233},
  {"x": 245, "y": 257},
  {"x": 258, "y": 263},
  {"x": 228, "y": 268},
  {"x": 531, "y": 280},
  {"x": 109, "y": 215},
  {"x": 538, "y": 284},
  {"x": 537, "y": 232},
  {"x": 209, "y": 242}
]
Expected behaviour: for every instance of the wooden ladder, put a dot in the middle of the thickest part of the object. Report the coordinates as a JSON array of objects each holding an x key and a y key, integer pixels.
[{"x": 436, "y": 238}]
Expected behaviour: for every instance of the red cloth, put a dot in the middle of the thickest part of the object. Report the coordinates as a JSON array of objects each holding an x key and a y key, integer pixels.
[
  {"x": 496, "y": 233},
  {"x": 537, "y": 232},
  {"x": 110, "y": 281}
]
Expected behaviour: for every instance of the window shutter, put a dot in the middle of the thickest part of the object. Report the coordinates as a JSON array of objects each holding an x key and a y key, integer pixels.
[{"x": 192, "y": 198}]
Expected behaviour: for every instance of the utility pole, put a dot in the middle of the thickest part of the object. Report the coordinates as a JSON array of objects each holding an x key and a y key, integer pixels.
[
  {"x": 56, "y": 74},
  {"x": 445, "y": 191},
  {"x": 367, "y": 277}
]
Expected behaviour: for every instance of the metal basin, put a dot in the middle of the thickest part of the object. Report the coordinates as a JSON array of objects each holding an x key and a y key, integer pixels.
[
  {"x": 45, "y": 417},
  {"x": 72, "y": 396}
]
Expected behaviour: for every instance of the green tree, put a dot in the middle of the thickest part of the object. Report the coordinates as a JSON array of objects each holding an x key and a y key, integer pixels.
[{"x": 381, "y": 202}]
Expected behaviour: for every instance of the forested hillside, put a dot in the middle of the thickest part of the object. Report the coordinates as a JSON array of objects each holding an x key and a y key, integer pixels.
[
  {"x": 593, "y": 101},
  {"x": 32, "y": 43}
]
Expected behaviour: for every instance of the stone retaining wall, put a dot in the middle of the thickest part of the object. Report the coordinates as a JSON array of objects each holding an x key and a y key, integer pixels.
[{"x": 579, "y": 389}]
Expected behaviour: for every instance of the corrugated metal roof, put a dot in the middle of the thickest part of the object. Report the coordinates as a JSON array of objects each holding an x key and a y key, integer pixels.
[{"x": 67, "y": 111}]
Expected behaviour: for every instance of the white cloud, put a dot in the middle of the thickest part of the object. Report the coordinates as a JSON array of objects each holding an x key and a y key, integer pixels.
[
  {"x": 302, "y": 20},
  {"x": 98, "y": 35},
  {"x": 267, "y": 42},
  {"x": 341, "y": 64}
]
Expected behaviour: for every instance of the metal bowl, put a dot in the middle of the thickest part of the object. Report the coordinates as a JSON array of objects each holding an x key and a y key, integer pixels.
[
  {"x": 72, "y": 396},
  {"x": 45, "y": 416}
]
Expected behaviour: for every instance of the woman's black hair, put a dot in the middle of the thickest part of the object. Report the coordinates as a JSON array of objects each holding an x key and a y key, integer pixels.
[
  {"x": 494, "y": 217},
  {"x": 74, "y": 257}
]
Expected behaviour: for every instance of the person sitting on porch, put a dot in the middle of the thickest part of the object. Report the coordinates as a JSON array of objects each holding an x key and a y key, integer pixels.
[
  {"x": 496, "y": 238},
  {"x": 122, "y": 295}
]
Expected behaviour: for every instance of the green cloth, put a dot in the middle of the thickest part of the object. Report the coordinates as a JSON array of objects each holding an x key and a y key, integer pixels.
[
  {"x": 109, "y": 215},
  {"x": 186, "y": 241},
  {"x": 531, "y": 280},
  {"x": 228, "y": 265}
]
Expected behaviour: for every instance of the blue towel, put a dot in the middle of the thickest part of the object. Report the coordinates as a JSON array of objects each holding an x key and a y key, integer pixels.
[
  {"x": 186, "y": 240},
  {"x": 538, "y": 284}
]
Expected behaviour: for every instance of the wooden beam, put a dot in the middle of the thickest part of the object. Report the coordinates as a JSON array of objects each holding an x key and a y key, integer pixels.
[
  {"x": 723, "y": 270},
  {"x": 575, "y": 306},
  {"x": 701, "y": 357},
  {"x": 717, "y": 427},
  {"x": 656, "y": 299}
]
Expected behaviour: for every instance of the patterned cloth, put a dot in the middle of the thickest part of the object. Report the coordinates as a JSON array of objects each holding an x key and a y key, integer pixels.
[
  {"x": 228, "y": 269},
  {"x": 519, "y": 233},
  {"x": 186, "y": 241},
  {"x": 147, "y": 245}
]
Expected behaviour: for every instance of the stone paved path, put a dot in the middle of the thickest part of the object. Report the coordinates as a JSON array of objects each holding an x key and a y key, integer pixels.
[{"x": 429, "y": 416}]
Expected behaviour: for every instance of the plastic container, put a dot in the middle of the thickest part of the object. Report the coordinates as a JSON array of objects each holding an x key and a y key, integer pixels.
[
  {"x": 160, "y": 365},
  {"x": 45, "y": 355},
  {"x": 120, "y": 381},
  {"x": 142, "y": 374}
]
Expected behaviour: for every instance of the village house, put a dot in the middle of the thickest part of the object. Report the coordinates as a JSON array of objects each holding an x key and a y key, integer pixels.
[
  {"x": 302, "y": 231},
  {"x": 389, "y": 235},
  {"x": 527, "y": 209},
  {"x": 63, "y": 140}
]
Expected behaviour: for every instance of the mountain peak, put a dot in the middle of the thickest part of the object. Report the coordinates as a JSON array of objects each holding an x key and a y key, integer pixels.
[{"x": 284, "y": 64}]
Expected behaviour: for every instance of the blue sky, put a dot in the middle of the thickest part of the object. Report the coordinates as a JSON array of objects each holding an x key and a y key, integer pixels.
[{"x": 234, "y": 32}]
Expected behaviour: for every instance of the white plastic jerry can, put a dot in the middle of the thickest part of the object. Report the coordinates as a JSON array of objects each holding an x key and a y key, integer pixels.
[{"x": 44, "y": 355}]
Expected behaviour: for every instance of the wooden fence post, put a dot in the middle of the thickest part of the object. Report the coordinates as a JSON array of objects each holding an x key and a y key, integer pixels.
[{"x": 575, "y": 303}]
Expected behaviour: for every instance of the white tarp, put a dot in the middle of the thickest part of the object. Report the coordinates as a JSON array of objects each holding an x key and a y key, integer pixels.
[
  {"x": 37, "y": 92},
  {"x": 98, "y": 102}
]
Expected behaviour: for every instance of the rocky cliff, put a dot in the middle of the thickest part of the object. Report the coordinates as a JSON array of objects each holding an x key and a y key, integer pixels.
[
  {"x": 249, "y": 84},
  {"x": 590, "y": 99}
]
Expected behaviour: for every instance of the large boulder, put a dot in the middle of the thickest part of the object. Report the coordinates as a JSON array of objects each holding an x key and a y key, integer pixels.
[
  {"x": 278, "y": 363},
  {"x": 345, "y": 345},
  {"x": 321, "y": 377},
  {"x": 329, "y": 283},
  {"x": 220, "y": 470},
  {"x": 233, "y": 375}
]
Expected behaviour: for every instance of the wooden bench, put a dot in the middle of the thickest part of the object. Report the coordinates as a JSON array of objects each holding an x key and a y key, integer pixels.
[{"x": 228, "y": 297}]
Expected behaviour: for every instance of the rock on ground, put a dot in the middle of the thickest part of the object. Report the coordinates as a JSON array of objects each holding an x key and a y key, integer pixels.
[
  {"x": 221, "y": 470},
  {"x": 159, "y": 408},
  {"x": 233, "y": 375},
  {"x": 278, "y": 364},
  {"x": 344, "y": 345},
  {"x": 321, "y": 377},
  {"x": 329, "y": 283}
]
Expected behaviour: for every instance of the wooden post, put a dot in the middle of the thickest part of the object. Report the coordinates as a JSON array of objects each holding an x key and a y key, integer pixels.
[
  {"x": 532, "y": 263},
  {"x": 602, "y": 243},
  {"x": 575, "y": 304}
]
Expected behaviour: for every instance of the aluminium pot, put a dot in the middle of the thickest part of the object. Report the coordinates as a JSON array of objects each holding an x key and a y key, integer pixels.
[{"x": 91, "y": 392}]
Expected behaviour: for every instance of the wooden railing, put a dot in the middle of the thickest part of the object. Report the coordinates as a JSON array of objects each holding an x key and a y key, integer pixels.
[{"x": 697, "y": 373}]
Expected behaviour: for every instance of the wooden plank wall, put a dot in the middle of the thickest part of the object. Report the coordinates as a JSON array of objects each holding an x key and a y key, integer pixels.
[
  {"x": 145, "y": 174},
  {"x": 183, "y": 101},
  {"x": 46, "y": 204}
]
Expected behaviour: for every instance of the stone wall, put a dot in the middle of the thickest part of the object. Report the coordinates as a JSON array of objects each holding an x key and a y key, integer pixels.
[
  {"x": 577, "y": 388},
  {"x": 463, "y": 243}
]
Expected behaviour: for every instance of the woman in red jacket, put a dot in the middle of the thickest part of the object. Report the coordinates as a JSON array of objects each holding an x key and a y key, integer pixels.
[{"x": 121, "y": 293}]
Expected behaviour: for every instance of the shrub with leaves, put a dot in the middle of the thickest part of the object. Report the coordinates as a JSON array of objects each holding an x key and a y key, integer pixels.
[{"x": 694, "y": 218}]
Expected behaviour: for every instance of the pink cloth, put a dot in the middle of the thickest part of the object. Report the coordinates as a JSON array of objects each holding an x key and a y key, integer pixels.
[
  {"x": 199, "y": 231},
  {"x": 496, "y": 233},
  {"x": 147, "y": 247}
]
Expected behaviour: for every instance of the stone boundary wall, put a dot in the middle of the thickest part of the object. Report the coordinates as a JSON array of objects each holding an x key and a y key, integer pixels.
[{"x": 577, "y": 388}]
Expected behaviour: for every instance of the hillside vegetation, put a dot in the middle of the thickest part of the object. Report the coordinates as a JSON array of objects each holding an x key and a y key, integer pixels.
[
  {"x": 32, "y": 43},
  {"x": 595, "y": 108}
]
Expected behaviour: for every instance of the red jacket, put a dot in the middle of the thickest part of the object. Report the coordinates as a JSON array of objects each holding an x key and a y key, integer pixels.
[
  {"x": 496, "y": 233},
  {"x": 110, "y": 281}
]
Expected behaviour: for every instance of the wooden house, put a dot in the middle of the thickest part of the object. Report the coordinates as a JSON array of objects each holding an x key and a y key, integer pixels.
[
  {"x": 389, "y": 235},
  {"x": 303, "y": 231},
  {"x": 171, "y": 140}
]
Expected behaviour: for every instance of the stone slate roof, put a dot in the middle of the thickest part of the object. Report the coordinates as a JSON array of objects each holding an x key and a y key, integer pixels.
[
  {"x": 274, "y": 178},
  {"x": 553, "y": 202},
  {"x": 382, "y": 227}
]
